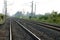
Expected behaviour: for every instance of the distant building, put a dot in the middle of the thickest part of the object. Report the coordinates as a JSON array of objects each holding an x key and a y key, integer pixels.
[{"x": 18, "y": 14}]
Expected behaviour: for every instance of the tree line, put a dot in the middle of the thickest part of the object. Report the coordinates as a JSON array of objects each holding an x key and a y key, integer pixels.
[{"x": 53, "y": 17}]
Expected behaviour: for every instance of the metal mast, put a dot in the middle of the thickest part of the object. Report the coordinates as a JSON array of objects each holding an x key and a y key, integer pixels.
[
  {"x": 5, "y": 8},
  {"x": 35, "y": 8},
  {"x": 32, "y": 9}
]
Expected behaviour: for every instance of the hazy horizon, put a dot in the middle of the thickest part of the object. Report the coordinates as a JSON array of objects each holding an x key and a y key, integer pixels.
[{"x": 42, "y": 6}]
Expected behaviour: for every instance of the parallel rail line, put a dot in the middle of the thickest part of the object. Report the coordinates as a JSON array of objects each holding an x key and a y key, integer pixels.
[
  {"x": 27, "y": 30},
  {"x": 50, "y": 31},
  {"x": 57, "y": 28},
  {"x": 32, "y": 34}
]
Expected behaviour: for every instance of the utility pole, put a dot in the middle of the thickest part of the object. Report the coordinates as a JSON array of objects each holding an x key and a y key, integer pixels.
[
  {"x": 32, "y": 9},
  {"x": 5, "y": 8},
  {"x": 35, "y": 9},
  {"x": 31, "y": 15}
]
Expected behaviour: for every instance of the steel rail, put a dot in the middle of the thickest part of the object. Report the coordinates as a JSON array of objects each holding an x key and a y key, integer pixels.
[
  {"x": 34, "y": 36},
  {"x": 55, "y": 25},
  {"x": 45, "y": 25},
  {"x": 10, "y": 30}
]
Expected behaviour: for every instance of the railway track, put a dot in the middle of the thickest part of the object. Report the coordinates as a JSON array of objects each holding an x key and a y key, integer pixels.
[
  {"x": 19, "y": 29},
  {"x": 25, "y": 34},
  {"x": 51, "y": 34},
  {"x": 47, "y": 25},
  {"x": 12, "y": 30}
]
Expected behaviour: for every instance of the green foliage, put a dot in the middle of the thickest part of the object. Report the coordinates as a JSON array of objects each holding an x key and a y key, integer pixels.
[
  {"x": 43, "y": 17},
  {"x": 53, "y": 17},
  {"x": 1, "y": 18}
]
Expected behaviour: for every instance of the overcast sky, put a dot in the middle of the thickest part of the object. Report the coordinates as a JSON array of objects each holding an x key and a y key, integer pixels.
[{"x": 43, "y": 6}]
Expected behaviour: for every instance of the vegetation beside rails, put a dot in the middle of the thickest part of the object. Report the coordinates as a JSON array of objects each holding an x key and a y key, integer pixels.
[
  {"x": 53, "y": 17},
  {"x": 2, "y": 18}
]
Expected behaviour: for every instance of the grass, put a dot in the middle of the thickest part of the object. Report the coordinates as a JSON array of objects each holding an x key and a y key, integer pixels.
[{"x": 47, "y": 21}]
